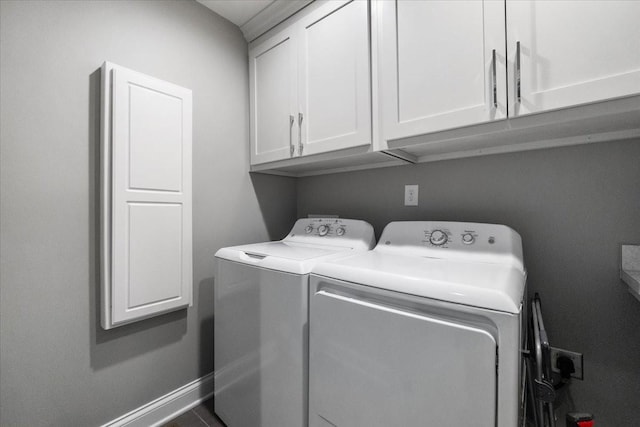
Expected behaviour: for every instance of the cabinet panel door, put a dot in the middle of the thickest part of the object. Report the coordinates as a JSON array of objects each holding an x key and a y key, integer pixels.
[
  {"x": 572, "y": 52},
  {"x": 437, "y": 65},
  {"x": 334, "y": 87},
  {"x": 273, "y": 80},
  {"x": 147, "y": 197}
]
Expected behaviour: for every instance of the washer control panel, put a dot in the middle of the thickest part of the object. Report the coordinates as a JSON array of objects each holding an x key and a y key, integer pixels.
[
  {"x": 331, "y": 231},
  {"x": 325, "y": 227}
]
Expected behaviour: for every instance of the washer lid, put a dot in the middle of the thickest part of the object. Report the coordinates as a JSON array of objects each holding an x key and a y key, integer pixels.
[
  {"x": 291, "y": 251},
  {"x": 311, "y": 240},
  {"x": 293, "y": 258},
  {"x": 492, "y": 286}
]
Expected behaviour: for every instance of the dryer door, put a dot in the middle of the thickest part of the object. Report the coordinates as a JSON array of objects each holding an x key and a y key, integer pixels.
[{"x": 376, "y": 363}]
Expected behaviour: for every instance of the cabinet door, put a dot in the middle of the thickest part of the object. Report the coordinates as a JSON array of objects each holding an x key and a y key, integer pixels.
[
  {"x": 334, "y": 86},
  {"x": 442, "y": 65},
  {"x": 273, "y": 99},
  {"x": 147, "y": 197},
  {"x": 571, "y": 52}
]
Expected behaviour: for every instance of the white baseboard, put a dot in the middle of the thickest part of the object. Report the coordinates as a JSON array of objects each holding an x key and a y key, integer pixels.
[{"x": 169, "y": 406}]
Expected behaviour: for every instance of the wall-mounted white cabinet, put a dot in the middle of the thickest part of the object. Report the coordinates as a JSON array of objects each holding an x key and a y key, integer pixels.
[
  {"x": 448, "y": 79},
  {"x": 146, "y": 197},
  {"x": 442, "y": 64},
  {"x": 567, "y": 53},
  {"x": 274, "y": 103},
  {"x": 310, "y": 87}
]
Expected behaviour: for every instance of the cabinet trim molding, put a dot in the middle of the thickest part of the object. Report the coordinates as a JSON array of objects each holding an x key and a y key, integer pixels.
[{"x": 271, "y": 16}]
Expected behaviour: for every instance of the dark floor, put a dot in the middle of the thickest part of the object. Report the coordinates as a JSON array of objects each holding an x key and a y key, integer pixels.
[{"x": 200, "y": 416}]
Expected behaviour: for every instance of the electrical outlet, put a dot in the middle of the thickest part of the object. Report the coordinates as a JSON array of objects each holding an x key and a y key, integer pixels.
[
  {"x": 576, "y": 358},
  {"x": 411, "y": 195}
]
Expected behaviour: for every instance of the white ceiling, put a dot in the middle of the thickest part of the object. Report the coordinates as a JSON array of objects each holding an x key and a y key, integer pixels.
[{"x": 237, "y": 11}]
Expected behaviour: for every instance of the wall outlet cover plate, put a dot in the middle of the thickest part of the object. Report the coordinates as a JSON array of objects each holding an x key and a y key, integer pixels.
[{"x": 411, "y": 195}]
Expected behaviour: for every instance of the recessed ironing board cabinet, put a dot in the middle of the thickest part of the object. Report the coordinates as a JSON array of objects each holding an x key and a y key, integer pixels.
[{"x": 145, "y": 210}]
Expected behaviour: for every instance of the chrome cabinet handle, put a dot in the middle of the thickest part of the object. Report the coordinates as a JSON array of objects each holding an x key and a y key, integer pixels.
[
  {"x": 292, "y": 148},
  {"x": 518, "y": 78},
  {"x": 494, "y": 83},
  {"x": 300, "y": 145}
]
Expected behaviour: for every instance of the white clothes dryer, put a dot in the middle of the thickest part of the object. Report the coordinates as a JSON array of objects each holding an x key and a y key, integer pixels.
[
  {"x": 424, "y": 330},
  {"x": 261, "y": 321}
]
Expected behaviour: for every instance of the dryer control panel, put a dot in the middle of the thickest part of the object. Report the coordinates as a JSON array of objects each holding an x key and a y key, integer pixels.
[
  {"x": 445, "y": 237},
  {"x": 454, "y": 240}
]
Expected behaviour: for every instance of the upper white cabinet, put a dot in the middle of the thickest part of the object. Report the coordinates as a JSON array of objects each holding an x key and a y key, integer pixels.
[
  {"x": 442, "y": 64},
  {"x": 146, "y": 196},
  {"x": 334, "y": 89},
  {"x": 566, "y": 53},
  {"x": 274, "y": 103},
  {"x": 448, "y": 79},
  {"x": 310, "y": 84}
]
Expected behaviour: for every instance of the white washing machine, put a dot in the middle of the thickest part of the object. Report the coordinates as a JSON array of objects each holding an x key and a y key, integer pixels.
[
  {"x": 424, "y": 330},
  {"x": 261, "y": 296}
]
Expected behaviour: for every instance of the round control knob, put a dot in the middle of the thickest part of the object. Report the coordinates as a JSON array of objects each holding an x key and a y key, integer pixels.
[
  {"x": 468, "y": 238},
  {"x": 309, "y": 229},
  {"x": 438, "y": 237},
  {"x": 340, "y": 231},
  {"x": 323, "y": 230}
]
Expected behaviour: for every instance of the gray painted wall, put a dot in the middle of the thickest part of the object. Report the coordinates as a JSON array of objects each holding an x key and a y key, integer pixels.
[
  {"x": 573, "y": 208},
  {"x": 57, "y": 366}
]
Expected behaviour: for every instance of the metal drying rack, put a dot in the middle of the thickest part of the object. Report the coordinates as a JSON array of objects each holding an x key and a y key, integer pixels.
[{"x": 540, "y": 384}]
